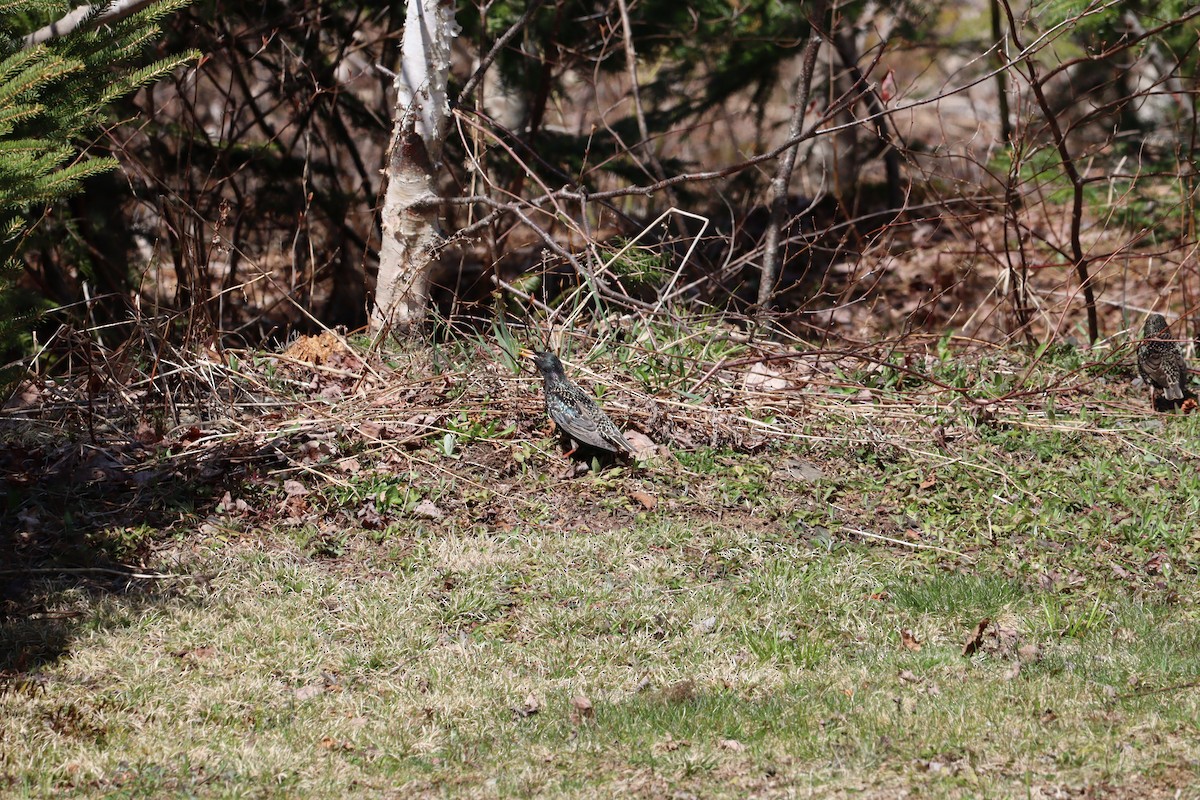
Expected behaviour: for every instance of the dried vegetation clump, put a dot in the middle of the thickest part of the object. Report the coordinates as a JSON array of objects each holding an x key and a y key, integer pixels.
[{"x": 271, "y": 436}]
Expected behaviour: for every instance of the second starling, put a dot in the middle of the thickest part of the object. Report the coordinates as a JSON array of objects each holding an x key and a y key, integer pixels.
[
  {"x": 573, "y": 411},
  {"x": 1160, "y": 361}
]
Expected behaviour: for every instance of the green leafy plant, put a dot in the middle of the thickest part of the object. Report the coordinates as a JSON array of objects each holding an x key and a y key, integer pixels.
[{"x": 52, "y": 94}]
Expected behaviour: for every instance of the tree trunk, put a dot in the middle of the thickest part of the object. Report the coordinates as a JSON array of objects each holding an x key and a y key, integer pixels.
[{"x": 409, "y": 221}]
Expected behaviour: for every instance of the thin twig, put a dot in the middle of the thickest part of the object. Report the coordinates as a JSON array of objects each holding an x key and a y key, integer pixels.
[
  {"x": 103, "y": 571},
  {"x": 902, "y": 543},
  {"x": 777, "y": 198}
]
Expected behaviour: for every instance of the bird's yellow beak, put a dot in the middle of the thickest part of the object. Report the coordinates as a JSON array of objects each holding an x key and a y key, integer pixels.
[{"x": 525, "y": 352}]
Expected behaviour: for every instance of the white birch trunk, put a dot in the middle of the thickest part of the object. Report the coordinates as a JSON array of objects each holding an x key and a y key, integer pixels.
[{"x": 408, "y": 251}]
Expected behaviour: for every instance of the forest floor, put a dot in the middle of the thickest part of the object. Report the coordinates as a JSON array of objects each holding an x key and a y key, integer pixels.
[{"x": 932, "y": 573}]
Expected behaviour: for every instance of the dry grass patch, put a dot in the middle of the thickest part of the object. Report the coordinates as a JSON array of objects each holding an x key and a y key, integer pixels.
[{"x": 368, "y": 608}]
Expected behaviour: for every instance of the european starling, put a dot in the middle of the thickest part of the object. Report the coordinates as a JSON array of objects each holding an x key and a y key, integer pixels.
[
  {"x": 574, "y": 412},
  {"x": 1160, "y": 361}
]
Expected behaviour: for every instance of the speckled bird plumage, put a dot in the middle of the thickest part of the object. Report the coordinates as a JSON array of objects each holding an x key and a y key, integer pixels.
[
  {"x": 1160, "y": 361},
  {"x": 575, "y": 412}
]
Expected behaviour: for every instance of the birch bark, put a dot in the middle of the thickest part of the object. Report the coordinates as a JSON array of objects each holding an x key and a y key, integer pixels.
[{"x": 409, "y": 218}]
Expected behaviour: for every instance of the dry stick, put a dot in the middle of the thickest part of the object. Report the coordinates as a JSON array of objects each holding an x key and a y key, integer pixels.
[
  {"x": 1121, "y": 45},
  {"x": 1060, "y": 141},
  {"x": 1020, "y": 287},
  {"x": 102, "y": 570},
  {"x": 778, "y": 193},
  {"x": 1001, "y": 75},
  {"x": 847, "y": 50},
  {"x": 567, "y": 193},
  {"x": 829, "y": 114},
  {"x": 526, "y": 296},
  {"x": 500, "y": 44},
  {"x": 547, "y": 196},
  {"x": 915, "y": 545},
  {"x": 631, "y": 65},
  {"x": 731, "y": 169},
  {"x": 601, "y": 288},
  {"x": 86, "y": 18},
  {"x": 1161, "y": 690}
]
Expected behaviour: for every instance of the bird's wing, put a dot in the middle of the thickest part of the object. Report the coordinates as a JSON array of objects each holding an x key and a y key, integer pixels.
[
  {"x": 1165, "y": 370},
  {"x": 584, "y": 431},
  {"x": 1166, "y": 366},
  {"x": 586, "y": 423},
  {"x": 611, "y": 433}
]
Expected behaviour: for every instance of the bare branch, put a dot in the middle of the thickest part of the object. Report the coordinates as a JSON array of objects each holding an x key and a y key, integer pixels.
[
  {"x": 86, "y": 18},
  {"x": 778, "y": 195},
  {"x": 500, "y": 44},
  {"x": 1068, "y": 164}
]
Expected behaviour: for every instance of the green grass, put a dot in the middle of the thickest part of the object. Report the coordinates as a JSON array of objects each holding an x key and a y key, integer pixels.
[
  {"x": 291, "y": 675},
  {"x": 425, "y": 624}
]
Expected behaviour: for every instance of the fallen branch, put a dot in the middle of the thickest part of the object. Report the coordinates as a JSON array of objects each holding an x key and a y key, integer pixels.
[
  {"x": 916, "y": 545},
  {"x": 101, "y": 570},
  {"x": 86, "y": 18}
]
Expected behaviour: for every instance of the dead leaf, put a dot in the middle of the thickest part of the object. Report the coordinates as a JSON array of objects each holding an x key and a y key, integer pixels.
[
  {"x": 315, "y": 450},
  {"x": 682, "y": 692},
  {"x": 798, "y": 469},
  {"x": 27, "y": 396},
  {"x": 146, "y": 432},
  {"x": 907, "y": 676},
  {"x": 230, "y": 506},
  {"x": 1012, "y": 672},
  {"x": 670, "y": 744},
  {"x": 731, "y": 744},
  {"x": 315, "y": 349},
  {"x": 581, "y": 709},
  {"x": 294, "y": 488},
  {"x": 530, "y": 707},
  {"x": 1048, "y": 716},
  {"x": 643, "y": 445},
  {"x": 928, "y": 483},
  {"x": 194, "y": 654},
  {"x": 887, "y": 90},
  {"x": 1004, "y": 640},
  {"x": 765, "y": 378},
  {"x": 1157, "y": 564},
  {"x": 706, "y": 625},
  {"x": 645, "y": 500},
  {"x": 309, "y": 691},
  {"x": 1029, "y": 653},
  {"x": 372, "y": 430},
  {"x": 976, "y": 638},
  {"x": 909, "y": 640},
  {"x": 427, "y": 509}
]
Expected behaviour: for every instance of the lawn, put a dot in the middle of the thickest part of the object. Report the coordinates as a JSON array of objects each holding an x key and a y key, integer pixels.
[{"x": 949, "y": 577}]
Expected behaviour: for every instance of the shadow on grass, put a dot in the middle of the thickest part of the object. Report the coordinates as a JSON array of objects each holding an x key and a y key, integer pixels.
[{"x": 77, "y": 523}]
